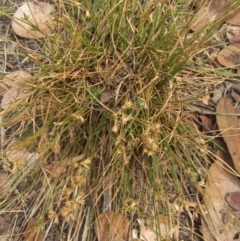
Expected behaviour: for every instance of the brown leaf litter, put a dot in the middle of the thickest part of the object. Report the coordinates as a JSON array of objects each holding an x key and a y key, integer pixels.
[
  {"x": 228, "y": 124},
  {"x": 111, "y": 226},
  {"x": 233, "y": 199},
  {"x": 160, "y": 228},
  {"x": 219, "y": 222},
  {"x": 229, "y": 57},
  {"x": 33, "y": 231},
  {"x": 213, "y": 10}
]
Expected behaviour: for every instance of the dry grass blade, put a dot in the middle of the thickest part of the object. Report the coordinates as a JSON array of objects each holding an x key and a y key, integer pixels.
[{"x": 229, "y": 127}]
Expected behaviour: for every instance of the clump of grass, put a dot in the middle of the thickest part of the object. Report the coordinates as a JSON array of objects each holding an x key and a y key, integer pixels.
[{"x": 105, "y": 93}]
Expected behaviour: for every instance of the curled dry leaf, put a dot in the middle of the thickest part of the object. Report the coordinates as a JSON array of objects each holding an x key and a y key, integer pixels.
[
  {"x": 233, "y": 34},
  {"x": 33, "y": 231},
  {"x": 228, "y": 125},
  {"x": 229, "y": 57},
  {"x": 215, "y": 225},
  {"x": 33, "y": 20},
  {"x": 233, "y": 199},
  {"x": 111, "y": 226}
]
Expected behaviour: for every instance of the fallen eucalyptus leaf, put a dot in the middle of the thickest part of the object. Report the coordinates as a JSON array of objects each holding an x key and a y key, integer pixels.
[
  {"x": 230, "y": 129},
  {"x": 203, "y": 17},
  {"x": 10, "y": 98},
  {"x": 211, "y": 11},
  {"x": 234, "y": 18},
  {"x": 111, "y": 226},
  {"x": 235, "y": 95},
  {"x": 160, "y": 228},
  {"x": 233, "y": 199},
  {"x": 22, "y": 158},
  {"x": 215, "y": 226},
  {"x": 33, "y": 231},
  {"x": 229, "y": 57},
  {"x": 236, "y": 87},
  {"x": 206, "y": 123},
  {"x": 33, "y": 20},
  {"x": 55, "y": 168},
  {"x": 16, "y": 78},
  {"x": 205, "y": 99},
  {"x": 233, "y": 34}
]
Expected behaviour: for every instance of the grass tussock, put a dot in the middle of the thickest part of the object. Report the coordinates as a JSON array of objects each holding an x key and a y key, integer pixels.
[{"x": 103, "y": 111}]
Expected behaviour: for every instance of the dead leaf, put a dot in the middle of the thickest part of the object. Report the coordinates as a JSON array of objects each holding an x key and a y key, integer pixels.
[
  {"x": 230, "y": 129},
  {"x": 106, "y": 97},
  {"x": 16, "y": 78},
  {"x": 206, "y": 122},
  {"x": 236, "y": 87},
  {"x": 159, "y": 228},
  {"x": 14, "y": 97},
  {"x": 38, "y": 14},
  {"x": 224, "y": 155},
  {"x": 111, "y": 226},
  {"x": 135, "y": 234},
  {"x": 198, "y": 3},
  {"x": 235, "y": 95},
  {"x": 203, "y": 17},
  {"x": 14, "y": 88},
  {"x": 215, "y": 226},
  {"x": 4, "y": 181},
  {"x": 233, "y": 199},
  {"x": 172, "y": 196},
  {"x": 205, "y": 99},
  {"x": 229, "y": 57},
  {"x": 3, "y": 87},
  {"x": 20, "y": 159},
  {"x": 211, "y": 11},
  {"x": 33, "y": 232},
  {"x": 217, "y": 94},
  {"x": 233, "y": 34},
  {"x": 234, "y": 18},
  {"x": 55, "y": 168},
  {"x": 146, "y": 233}
]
